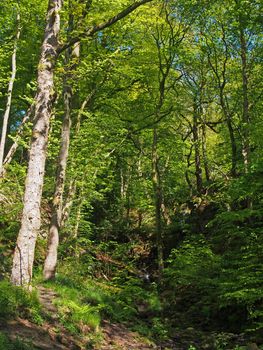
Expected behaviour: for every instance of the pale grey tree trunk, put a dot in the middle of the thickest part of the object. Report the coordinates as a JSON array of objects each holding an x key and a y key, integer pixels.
[
  {"x": 56, "y": 216},
  {"x": 57, "y": 207},
  {"x": 9, "y": 94},
  {"x": 30, "y": 224}
]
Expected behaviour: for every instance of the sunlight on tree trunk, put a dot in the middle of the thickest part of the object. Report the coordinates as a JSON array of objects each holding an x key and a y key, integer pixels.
[
  {"x": 30, "y": 224},
  {"x": 72, "y": 55}
]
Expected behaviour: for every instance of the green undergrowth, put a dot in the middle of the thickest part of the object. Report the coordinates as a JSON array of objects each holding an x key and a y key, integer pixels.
[
  {"x": 15, "y": 301},
  {"x": 87, "y": 302},
  {"x": 217, "y": 292}
]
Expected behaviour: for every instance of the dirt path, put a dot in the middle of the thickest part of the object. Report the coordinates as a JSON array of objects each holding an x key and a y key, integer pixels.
[
  {"x": 117, "y": 337},
  {"x": 50, "y": 335},
  {"x": 53, "y": 336}
]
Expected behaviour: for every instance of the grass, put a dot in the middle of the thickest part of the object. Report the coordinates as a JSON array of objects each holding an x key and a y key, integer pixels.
[
  {"x": 76, "y": 306},
  {"x": 85, "y": 302},
  {"x": 15, "y": 301}
]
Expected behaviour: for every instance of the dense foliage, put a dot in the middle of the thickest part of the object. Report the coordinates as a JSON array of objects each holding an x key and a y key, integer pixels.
[{"x": 161, "y": 202}]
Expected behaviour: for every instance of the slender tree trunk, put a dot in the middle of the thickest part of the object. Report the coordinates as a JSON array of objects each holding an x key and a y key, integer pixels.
[
  {"x": 198, "y": 168},
  {"x": 245, "y": 113},
  {"x": 158, "y": 201},
  {"x": 73, "y": 187},
  {"x": 25, "y": 247},
  {"x": 78, "y": 214},
  {"x": 68, "y": 202},
  {"x": 72, "y": 55},
  {"x": 140, "y": 175},
  {"x": 204, "y": 151},
  {"x": 187, "y": 171},
  {"x": 233, "y": 146},
  {"x": 9, "y": 94},
  {"x": 165, "y": 213},
  {"x": 231, "y": 133},
  {"x": 56, "y": 216}
]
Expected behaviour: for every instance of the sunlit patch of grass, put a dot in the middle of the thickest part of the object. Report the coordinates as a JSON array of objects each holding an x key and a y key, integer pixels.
[
  {"x": 77, "y": 305},
  {"x": 83, "y": 303},
  {"x": 78, "y": 313}
]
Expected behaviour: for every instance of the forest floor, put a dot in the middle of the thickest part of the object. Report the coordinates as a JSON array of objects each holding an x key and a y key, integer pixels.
[{"x": 52, "y": 335}]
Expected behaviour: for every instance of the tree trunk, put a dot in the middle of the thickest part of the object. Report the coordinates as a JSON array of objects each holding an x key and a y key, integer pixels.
[
  {"x": 57, "y": 207},
  {"x": 204, "y": 151},
  {"x": 231, "y": 133},
  {"x": 25, "y": 247},
  {"x": 198, "y": 168},
  {"x": 78, "y": 215},
  {"x": 56, "y": 216},
  {"x": 68, "y": 202},
  {"x": 9, "y": 95},
  {"x": 158, "y": 202},
  {"x": 245, "y": 112}
]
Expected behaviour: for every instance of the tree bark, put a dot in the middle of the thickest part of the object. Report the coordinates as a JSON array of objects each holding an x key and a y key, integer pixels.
[
  {"x": 56, "y": 215},
  {"x": 229, "y": 124},
  {"x": 50, "y": 265},
  {"x": 9, "y": 94},
  {"x": 198, "y": 168},
  {"x": 30, "y": 224},
  {"x": 68, "y": 202},
  {"x": 204, "y": 151},
  {"x": 245, "y": 112},
  {"x": 158, "y": 202}
]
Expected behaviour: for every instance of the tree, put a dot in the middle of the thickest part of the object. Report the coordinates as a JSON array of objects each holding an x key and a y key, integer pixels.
[
  {"x": 24, "y": 252},
  {"x": 25, "y": 248}
]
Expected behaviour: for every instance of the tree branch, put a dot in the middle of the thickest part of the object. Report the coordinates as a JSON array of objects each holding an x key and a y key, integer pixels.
[{"x": 89, "y": 32}]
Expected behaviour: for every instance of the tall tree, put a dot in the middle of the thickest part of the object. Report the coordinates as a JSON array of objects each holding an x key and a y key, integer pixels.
[
  {"x": 30, "y": 224},
  {"x": 71, "y": 60}
]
